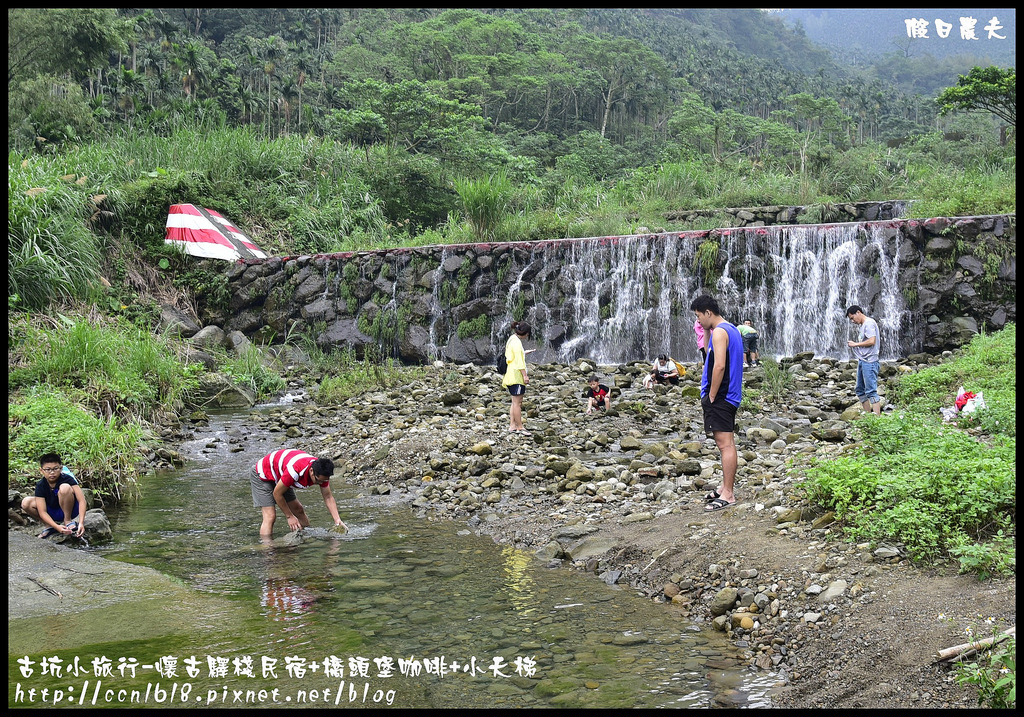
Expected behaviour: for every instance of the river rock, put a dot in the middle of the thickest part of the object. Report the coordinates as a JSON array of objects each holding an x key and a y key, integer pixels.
[
  {"x": 209, "y": 337},
  {"x": 723, "y": 601},
  {"x": 833, "y": 591},
  {"x": 97, "y": 527}
]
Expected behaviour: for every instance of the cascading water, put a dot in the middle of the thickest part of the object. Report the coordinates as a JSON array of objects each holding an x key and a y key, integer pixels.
[
  {"x": 437, "y": 310},
  {"x": 804, "y": 278},
  {"x": 627, "y": 298},
  {"x": 624, "y": 296}
]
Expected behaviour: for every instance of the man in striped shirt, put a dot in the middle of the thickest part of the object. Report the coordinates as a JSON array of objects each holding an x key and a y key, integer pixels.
[{"x": 274, "y": 478}]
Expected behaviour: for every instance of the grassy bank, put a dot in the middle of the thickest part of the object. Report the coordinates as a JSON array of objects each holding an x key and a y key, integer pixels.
[
  {"x": 941, "y": 490},
  {"x": 73, "y": 211}
]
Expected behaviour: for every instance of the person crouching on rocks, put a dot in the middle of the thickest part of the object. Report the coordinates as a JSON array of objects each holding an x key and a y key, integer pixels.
[
  {"x": 273, "y": 480},
  {"x": 598, "y": 396},
  {"x": 663, "y": 371}
]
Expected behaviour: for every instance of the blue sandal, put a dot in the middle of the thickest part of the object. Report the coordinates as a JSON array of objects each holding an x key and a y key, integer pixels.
[{"x": 48, "y": 532}]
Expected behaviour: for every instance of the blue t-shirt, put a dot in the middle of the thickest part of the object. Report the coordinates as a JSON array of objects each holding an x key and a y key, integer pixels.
[
  {"x": 43, "y": 489},
  {"x": 733, "y": 366}
]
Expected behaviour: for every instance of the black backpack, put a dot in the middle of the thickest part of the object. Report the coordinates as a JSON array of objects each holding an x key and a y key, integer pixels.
[{"x": 502, "y": 364}]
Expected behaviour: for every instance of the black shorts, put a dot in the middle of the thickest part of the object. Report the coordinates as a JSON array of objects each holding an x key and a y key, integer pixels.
[
  {"x": 663, "y": 379},
  {"x": 517, "y": 389},
  {"x": 718, "y": 416},
  {"x": 750, "y": 342}
]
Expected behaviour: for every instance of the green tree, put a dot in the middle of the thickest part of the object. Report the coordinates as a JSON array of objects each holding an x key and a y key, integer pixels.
[
  {"x": 51, "y": 110},
  {"x": 628, "y": 72},
  {"x": 56, "y": 41},
  {"x": 983, "y": 89},
  {"x": 815, "y": 118}
]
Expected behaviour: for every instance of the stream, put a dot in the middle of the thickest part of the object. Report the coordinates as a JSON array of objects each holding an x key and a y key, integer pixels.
[{"x": 399, "y": 611}]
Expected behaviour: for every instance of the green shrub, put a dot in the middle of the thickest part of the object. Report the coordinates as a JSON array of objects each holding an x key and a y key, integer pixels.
[
  {"x": 705, "y": 261},
  {"x": 994, "y": 673},
  {"x": 996, "y": 557},
  {"x": 102, "y": 453},
  {"x": 932, "y": 488},
  {"x": 982, "y": 366},
  {"x": 950, "y": 192},
  {"x": 121, "y": 369},
  {"x": 474, "y": 328},
  {"x": 937, "y": 488}
]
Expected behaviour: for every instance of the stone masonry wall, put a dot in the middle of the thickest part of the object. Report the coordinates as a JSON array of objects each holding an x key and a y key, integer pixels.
[{"x": 957, "y": 276}]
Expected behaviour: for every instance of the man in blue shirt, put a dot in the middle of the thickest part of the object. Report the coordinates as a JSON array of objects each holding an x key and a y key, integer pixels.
[
  {"x": 865, "y": 348},
  {"x": 721, "y": 391},
  {"x": 58, "y": 503}
]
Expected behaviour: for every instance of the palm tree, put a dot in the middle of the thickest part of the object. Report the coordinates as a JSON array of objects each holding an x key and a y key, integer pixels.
[
  {"x": 194, "y": 64},
  {"x": 271, "y": 50}
]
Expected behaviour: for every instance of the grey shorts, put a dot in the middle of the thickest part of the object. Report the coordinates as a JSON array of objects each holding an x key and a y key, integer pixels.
[{"x": 263, "y": 491}]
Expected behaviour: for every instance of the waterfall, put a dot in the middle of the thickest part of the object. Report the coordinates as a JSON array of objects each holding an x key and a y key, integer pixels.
[
  {"x": 627, "y": 298},
  {"x": 437, "y": 311},
  {"x": 798, "y": 300}
]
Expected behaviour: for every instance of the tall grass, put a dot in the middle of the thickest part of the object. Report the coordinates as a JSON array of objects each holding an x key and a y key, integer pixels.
[
  {"x": 102, "y": 453},
  {"x": 946, "y": 192},
  {"x": 345, "y": 375},
  {"x": 118, "y": 368},
  {"x": 51, "y": 253},
  {"x": 777, "y": 384},
  {"x": 248, "y": 369},
  {"x": 486, "y": 202}
]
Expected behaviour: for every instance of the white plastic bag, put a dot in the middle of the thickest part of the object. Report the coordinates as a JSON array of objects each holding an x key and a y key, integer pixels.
[{"x": 973, "y": 404}]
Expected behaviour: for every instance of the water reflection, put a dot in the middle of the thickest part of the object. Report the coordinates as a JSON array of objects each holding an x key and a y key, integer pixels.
[{"x": 518, "y": 581}]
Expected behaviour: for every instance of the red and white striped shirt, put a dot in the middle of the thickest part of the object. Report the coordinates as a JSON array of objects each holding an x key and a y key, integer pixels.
[{"x": 290, "y": 466}]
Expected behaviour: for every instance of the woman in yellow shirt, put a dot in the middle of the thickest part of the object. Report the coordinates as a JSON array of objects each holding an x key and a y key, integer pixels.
[{"x": 515, "y": 378}]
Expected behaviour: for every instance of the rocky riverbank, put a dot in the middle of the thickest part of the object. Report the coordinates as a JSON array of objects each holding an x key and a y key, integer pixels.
[{"x": 839, "y": 624}]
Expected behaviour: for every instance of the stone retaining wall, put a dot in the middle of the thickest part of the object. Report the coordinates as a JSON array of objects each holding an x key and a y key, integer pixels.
[
  {"x": 810, "y": 214},
  {"x": 956, "y": 276}
]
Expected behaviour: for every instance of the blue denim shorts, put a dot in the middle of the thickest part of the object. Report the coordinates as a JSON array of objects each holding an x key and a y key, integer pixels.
[{"x": 867, "y": 381}]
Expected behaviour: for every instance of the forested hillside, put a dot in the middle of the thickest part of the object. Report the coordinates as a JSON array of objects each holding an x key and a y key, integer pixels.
[{"x": 534, "y": 75}]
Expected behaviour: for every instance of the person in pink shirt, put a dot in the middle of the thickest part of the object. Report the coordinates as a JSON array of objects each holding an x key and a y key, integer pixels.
[
  {"x": 701, "y": 341},
  {"x": 274, "y": 478}
]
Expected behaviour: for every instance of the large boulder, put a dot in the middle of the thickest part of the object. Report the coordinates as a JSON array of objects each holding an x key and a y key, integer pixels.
[{"x": 175, "y": 321}]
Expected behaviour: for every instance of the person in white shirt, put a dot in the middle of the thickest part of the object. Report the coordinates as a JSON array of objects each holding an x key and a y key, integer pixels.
[{"x": 663, "y": 371}]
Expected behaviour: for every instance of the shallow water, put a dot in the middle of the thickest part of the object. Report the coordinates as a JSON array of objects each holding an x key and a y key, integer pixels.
[{"x": 399, "y": 611}]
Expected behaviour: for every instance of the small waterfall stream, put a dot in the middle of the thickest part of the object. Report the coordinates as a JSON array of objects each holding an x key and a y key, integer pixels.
[{"x": 619, "y": 299}]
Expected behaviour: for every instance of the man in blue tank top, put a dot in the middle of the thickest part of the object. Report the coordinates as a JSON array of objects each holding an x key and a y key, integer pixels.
[{"x": 721, "y": 390}]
